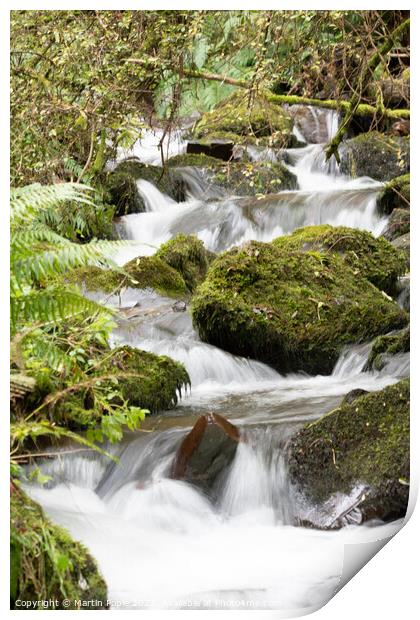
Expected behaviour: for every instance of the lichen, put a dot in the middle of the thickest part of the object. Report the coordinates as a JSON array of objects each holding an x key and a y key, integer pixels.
[
  {"x": 160, "y": 382},
  {"x": 256, "y": 119},
  {"x": 390, "y": 344},
  {"x": 293, "y": 310},
  {"x": 364, "y": 442},
  {"x": 186, "y": 254},
  {"x": 46, "y": 563},
  {"x": 379, "y": 156},
  {"x": 395, "y": 195},
  {"x": 370, "y": 257}
]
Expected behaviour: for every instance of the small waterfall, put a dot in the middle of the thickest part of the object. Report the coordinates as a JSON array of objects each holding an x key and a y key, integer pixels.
[
  {"x": 352, "y": 361},
  {"x": 154, "y": 200},
  {"x": 147, "y": 148}
]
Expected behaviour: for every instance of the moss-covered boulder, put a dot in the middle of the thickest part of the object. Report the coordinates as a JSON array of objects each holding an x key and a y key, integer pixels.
[
  {"x": 187, "y": 254},
  {"x": 121, "y": 185},
  {"x": 363, "y": 442},
  {"x": 395, "y": 195},
  {"x": 379, "y": 156},
  {"x": 386, "y": 346},
  {"x": 367, "y": 256},
  {"x": 247, "y": 121},
  {"x": 46, "y": 563},
  {"x": 291, "y": 309},
  {"x": 402, "y": 244},
  {"x": 159, "y": 382},
  {"x": 94, "y": 278},
  {"x": 154, "y": 272},
  {"x": 398, "y": 224},
  {"x": 241, "y": 178}
]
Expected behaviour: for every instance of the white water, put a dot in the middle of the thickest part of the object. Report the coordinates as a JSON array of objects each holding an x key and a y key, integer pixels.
[{"x": 161, "y": 543}]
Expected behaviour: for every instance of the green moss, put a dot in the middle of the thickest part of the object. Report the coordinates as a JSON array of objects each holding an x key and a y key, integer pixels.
[
  {"x": 379, "y": 156},
  {"x": 372, "y": 258},
  {"x": 261, "y": 120},
  {"x": 153, "y": 272},
  {"x": 293, "y": 310},
  {"x": 387, "y": 345},
  {"x": 186, "y": 254},
  {"x": 160, "y": 384},
  {"x": 402, "y": 244},
  {"x": 123, "y": 194},
  {"x": 192, "y": 159},
  {"x": 46, "y": 563},
  {"x": 97, "y": 279},
  {"x": 366, "y": 441},
  {"x": 395, "y": 195}
]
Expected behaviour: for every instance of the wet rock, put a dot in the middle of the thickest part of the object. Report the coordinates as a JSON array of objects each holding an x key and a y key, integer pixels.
[
  {"x": 386, "y": 346},
  {"x": 219, "y": 149},
  {"x": 403, "y": 243},
  {"x": 404, "y": 293},
  {"x": 366, "y": 443},
  {"x": 186, "y": 254},
  {"x": 313, "y": 124},
  {"x": 395, "y": 195},
  {"x": 398, "y": 224},
  {"x": 379, "y": 156},
  {"x": 153, "y": 272},
  {"x": 179, "y": 306},
  {"x": 291, "y": 309},
  {"x": 352, "y": 395},
  {"x": 206, "y": 452}
]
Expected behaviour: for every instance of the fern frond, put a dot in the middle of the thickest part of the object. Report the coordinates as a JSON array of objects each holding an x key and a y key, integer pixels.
[{"x": 43, "y": 348}]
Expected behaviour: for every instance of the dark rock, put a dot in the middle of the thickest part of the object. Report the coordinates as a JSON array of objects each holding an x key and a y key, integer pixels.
[
  {"x": 398, "y": 224},
  {"x": 386, "y": 346},
  {"x": 366, "y": 442},
  {"x": 206, "y": 452},
  {"x": 379, "y": 156},
  {"x": 395, "y": 195},
  {"x": 352, "y": 395},
  {"x": 220, "y": 149}
]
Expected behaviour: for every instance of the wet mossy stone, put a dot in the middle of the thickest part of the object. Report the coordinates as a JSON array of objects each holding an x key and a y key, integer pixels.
[
  {"x": 376, "y": 155},
  {"x": 187, "y": 254},
  {"x": 122, "y": 185},
  {"x": 153, "y": 272},
  {"x": 398, "y": 224},
  {"x": 363, "y": 442},
  {"x": 47, "y": 563},
  {"x": 241, "y": 178},
  {"x": 256, "y": 121},
  {"x": 369, "y": 257},
  {"x": 94, "y": 278},
  {"x": 386, "y": 346},
  {"x": 293, "y": 310},
  {"x": 160, "y": 381},
  {"x": 395, "y": 195},
  {"x": 402, "y": 244}
]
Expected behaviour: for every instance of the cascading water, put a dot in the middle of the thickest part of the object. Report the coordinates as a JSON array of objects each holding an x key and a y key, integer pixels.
[{"x": 161, "y": 542}]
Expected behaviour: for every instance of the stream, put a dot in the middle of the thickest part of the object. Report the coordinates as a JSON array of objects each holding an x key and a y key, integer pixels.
[{"x": 161, "y": 543}]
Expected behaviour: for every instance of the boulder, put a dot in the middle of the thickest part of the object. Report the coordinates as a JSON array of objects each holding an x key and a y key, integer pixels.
[
  {"x": 154, "y": 272},
  {"x": 395, "y": 195},
  {"x": 352, "y": 395},
  {"x": 379, "y": 156},
  {"x": 186, "y": 254},
  {"x": 373, "y": 258},
  {"x": 398, "y": 224},
  {"x": 386, "y": 346},
  {"x": 403, "y": 245},
  {"x": 219, "y": 149},
  {"x": 293, "y": 310},
  {"x": 251, "y": 121},
  {"x": 206, "y": 452},
  {"x": 366, "y": 442}
]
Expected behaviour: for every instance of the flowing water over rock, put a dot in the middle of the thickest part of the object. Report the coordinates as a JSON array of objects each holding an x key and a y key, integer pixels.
[{"x": 162, "y": 542}]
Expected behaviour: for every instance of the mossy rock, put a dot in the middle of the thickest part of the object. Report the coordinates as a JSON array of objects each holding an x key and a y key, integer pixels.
[
  {"x": 160, "y": 380},
  {"x": 187, "y": 254},
  {"x": 242, "y": 178},
  {"x": 395, "y": 195},
  {"x": 398, "y": 224},
  {"x": 293, "y": 310},
  {"x": 46, "y": 563},
  {"x": 260, "y": 122},
  {"x": 153, "y": 272},
  {"x": 122, "y": 187},
  {"x": 363, "y": 442},
  {"x": 370, "y": 257},
  {"x": 379, "y": 156},
  {"x": 385, "y": 346},
  {"x": 94, "y": 278},
  {"x": 402, "y": 244}
]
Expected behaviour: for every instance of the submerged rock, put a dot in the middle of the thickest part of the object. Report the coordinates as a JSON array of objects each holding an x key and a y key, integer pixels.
[
  {"x": 366, "y": 442},
  {"x": 45, "y": 560},
  {"x": 186, "y": 254},
  {"x": 398, "y": 224},
  {"x": 395, "y": 195},
  {"x": 242, "y": 120},
  {"x": 386, "y": 346},
  {"x": 379, "y": 156},
  {"x": 293, "y": 310},
  {"x": 206, "y": 452},
  {"x": 372, "y": 258},
  {"x": 159, "y": 382}
]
